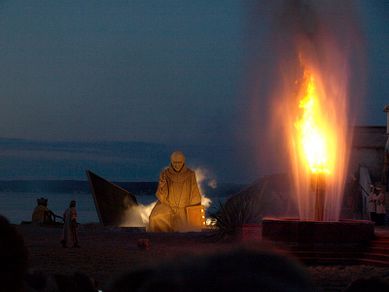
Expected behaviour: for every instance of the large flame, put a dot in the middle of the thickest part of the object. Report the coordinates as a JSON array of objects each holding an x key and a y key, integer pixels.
[
  {"x": 308, "y": 69},
  {"x": 318, "y": 134},
  {"x": 313, "y": 131}
]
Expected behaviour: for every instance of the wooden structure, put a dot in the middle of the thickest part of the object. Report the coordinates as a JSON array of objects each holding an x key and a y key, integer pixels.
[{"x": 111, "y": 201}]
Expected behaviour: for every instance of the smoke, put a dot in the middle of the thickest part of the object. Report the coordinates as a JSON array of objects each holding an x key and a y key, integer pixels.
[
  {"x": 277, "y": 31},
  {"x": 287, "y": 38},
  {"x": 204, "y": 179},
  {"x": 137, "y": 216}
]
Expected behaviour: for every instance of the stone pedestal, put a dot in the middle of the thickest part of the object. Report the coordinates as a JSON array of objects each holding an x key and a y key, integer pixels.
[{"x": 343, "y": 232}]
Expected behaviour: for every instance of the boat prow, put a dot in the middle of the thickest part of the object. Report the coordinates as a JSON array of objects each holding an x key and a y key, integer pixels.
[{"x": 112, "y": 201}]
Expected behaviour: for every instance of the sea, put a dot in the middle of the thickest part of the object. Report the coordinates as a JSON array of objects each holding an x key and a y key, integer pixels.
[{"x": 18, "y": 206}]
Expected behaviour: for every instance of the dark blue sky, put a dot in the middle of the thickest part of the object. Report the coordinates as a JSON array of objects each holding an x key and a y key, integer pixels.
[
  {"x": 375, "y": 24},
  {"x": 162, "y": 71},
  {"x": 170, "y": 72},
  {"x": 119, "y": 70}
]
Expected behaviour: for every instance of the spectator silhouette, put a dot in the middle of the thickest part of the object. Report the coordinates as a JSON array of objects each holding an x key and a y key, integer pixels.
[
  {"x": 78, "y": 282},
  {"x": 242, "y": 269},
  {"x": 13, "y": 257},
  {"x": 368, "y": 284}
]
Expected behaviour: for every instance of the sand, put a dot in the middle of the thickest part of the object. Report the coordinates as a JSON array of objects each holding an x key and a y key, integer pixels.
[{"x": 108, "y": 252}]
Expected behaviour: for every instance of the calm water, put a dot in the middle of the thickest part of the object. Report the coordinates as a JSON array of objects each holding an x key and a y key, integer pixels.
[{"x": 18, "y": 206}]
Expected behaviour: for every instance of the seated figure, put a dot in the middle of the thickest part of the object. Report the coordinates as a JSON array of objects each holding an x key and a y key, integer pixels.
[
  {"x": 177, "y": 190},
  {"x": 41, "y": 213}
]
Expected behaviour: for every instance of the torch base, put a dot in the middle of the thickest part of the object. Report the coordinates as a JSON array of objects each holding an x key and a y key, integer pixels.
[{"x": 342, "y": 232}]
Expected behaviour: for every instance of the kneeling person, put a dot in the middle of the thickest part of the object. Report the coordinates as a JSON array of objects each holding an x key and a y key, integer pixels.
[{"x": 177, "y": 190}]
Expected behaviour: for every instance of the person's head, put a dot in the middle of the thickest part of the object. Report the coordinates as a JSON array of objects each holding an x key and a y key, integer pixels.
[
  {"x": 14, "y": 257},
  {"x": 177, "y": 160},
  {"x": 238, "y": 269},
  {"x": 72, "y": 204},
  {"x": 368, "y": 284},
  {"x": 42, "y": 201},
  {"x": 78, "y": 282}
]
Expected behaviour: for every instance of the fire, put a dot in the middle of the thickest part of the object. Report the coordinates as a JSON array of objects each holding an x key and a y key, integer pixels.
[
  {"x": 313, "y": 134},
  {"x": 307, "y": 85},
  {"x": 317, "y": 131}
]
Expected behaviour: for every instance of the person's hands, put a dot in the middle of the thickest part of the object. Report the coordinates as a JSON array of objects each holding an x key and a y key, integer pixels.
[{"x": 162, "y": 179}]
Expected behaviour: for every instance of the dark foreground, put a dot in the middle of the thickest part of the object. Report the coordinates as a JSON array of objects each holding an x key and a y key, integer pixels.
[{"x": 106, "y": 253}]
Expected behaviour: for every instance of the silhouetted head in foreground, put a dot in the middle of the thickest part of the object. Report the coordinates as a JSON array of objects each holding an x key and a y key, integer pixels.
[
  {"x": 13, "y": 257},
  {"x": 369, "y": 284},
  {"x": 242, "y": 269},
  {"x": 78, "y": 282}
]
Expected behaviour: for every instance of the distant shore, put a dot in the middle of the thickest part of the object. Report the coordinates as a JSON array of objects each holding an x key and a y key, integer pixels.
[{"x": 82, "y": 186}]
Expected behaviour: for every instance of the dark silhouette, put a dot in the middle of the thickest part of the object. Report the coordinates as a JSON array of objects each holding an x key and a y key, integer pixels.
[
  {"x": 370, "y": 284},
  {"x": 13, "y": 257},
  {"x": 78, "y": 282},
  {"x": 242, "y": 269}
]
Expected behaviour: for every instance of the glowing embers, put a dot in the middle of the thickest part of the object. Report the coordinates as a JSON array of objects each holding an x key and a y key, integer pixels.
[{"x": 313, "y": 134}]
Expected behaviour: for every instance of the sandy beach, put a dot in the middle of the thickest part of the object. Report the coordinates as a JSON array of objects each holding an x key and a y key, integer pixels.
[{"x": 108, "y": 252}]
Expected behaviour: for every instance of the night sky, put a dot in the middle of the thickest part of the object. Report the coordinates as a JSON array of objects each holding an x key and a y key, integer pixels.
[
  {"x": 158, "y": 71},
  {"x": 169, "y": 72}
]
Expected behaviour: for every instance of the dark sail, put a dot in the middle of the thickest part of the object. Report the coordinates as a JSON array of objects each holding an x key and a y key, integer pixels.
[{"x": 111, "y": 201}]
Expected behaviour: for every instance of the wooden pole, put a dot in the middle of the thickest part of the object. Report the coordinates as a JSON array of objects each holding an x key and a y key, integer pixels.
[{"x": 319, "y": 189}]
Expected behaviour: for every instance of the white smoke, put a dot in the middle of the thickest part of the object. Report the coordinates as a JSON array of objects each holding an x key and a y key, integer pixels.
[
  {"x": 137, "y": 216},
  {"x": 212, "y": 183},
  {"x": 202, "y": 176}
]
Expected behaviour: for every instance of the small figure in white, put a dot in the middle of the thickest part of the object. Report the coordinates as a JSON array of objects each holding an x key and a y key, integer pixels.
[
  {"x": 70, "y": 226},
  {"x": 371, "y": 204},
  {"x": 380, "y": 206}
]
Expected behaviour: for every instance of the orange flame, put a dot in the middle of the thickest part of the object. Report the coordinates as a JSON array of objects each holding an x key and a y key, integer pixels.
[
  {"x": 313, "y": 131},
  {"x": 308, "y": 83},
  {"x": 317, "y": 131}
]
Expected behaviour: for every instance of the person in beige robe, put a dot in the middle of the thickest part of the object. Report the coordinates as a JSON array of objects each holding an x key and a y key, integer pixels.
[
  {"x": 70, "y": 234},
  {"x": 177, "y": 190}
]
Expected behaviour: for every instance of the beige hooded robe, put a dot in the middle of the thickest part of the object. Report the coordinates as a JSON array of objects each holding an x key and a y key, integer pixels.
[{"x": 176, "y": 191}]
